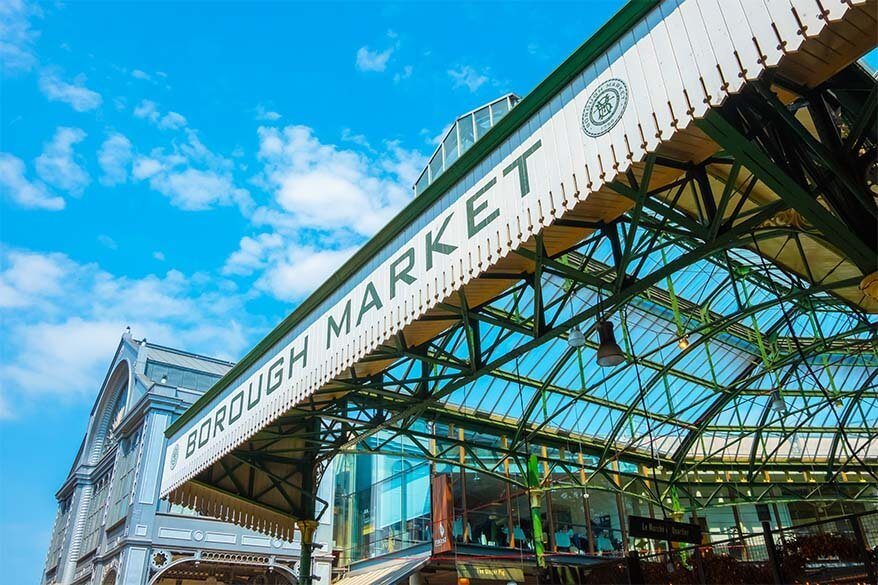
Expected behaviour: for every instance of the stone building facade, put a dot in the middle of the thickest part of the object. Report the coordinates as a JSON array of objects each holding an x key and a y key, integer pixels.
[{"x": 112, "y": 528}]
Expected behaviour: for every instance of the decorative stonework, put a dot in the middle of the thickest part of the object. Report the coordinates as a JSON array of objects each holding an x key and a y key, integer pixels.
[{"x": 111, "y": 573}]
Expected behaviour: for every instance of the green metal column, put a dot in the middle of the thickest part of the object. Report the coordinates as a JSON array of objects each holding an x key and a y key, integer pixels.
[
  {"x": 307, "y": 528},
  {"x": 533, "y": 484},
  {"x": 308, "y": 523}
]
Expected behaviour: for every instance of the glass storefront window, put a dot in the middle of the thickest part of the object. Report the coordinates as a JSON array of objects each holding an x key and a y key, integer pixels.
[{"x": 382, "y": 505}]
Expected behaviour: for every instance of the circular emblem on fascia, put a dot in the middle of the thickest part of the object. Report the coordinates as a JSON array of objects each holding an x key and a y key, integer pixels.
[
  {"x": 175, "y": 456},
  {"x": 604, "y": 107}
]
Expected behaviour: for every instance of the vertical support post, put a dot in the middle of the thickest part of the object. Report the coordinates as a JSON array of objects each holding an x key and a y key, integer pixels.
[
  {"x": 307, "y": 528},
  {"x": 620, "y": 507},
  {"x": 433, "y": 450},
  {"x": 461, "y": 457},
  {"x": 635, "y": 571},
  {"x": 583, "y": 479},
  {"x": 739, "y": 526},
  {"x": 533, "y": 484},
  {"x": 549, "y": 518},
  {"x": 649, "y": 505},
  {"x": 777, "y": 516},
  {"x": 510, "y": 522},
  {"x": 857, "y": 525},
  {"x": 776, "y": 569},
  {"x": 308, "y": 523},
  {"x": 699, "y": 568},
  {"x": 588, "y": 526}
]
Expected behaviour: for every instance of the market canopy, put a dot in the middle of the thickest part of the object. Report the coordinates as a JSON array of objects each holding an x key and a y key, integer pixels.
[{"x": 701, "y": 175}]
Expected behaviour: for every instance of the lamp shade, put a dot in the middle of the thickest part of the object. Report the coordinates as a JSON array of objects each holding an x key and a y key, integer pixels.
[
  {"x": 609, "y": 352},
  {"x": 575, "y": 338},
  {"x": 777, "y": 402}
]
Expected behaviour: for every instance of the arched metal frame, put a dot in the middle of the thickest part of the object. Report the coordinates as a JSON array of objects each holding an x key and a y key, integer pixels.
[{"x": 283, "y": 570}]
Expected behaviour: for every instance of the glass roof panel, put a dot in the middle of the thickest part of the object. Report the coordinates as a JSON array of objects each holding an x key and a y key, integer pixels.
[{"x": 470, "y": 127}]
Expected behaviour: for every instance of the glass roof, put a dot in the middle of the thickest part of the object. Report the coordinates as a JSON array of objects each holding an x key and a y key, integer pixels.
[
  {"x": 461, "y": 135},
  {"x": 663, "y": 394}
]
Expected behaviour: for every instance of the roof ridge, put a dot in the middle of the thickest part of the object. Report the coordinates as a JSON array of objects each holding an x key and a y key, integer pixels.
[{"x": 190, "y": 354}]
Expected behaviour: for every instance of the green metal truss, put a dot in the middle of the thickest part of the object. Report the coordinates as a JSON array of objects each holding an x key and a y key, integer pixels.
[{"x": 688, "y": 258}]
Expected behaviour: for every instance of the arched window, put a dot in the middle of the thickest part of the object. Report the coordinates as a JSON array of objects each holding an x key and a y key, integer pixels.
[
  {"x": 112, "y": 411},
  {"x": 116, "y": 414}
]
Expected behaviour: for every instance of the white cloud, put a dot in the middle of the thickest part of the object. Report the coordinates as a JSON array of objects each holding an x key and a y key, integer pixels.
[
  {"x": 172, "y": 121},
  {"x": 74, "y": 347},
  {"x": 288, "y": 271},
  {"x": 404, "y": 74},
  {"x": 59, "y": 166},
  {"x": 327, "y": 200},
  {"x": 196, "y": 189},
  {"x": 192, "y": 176},
  {"x": 108, "y": 242},
  {"x": 67, "y": 318},
  {"x": 264, "y": 114},
  {"x": 79, "y": 97},
  {"x": 29, "y": 194},
  {"x": 322, "y": 187},
  {"x": 348, "y": 135},
  {"x": 369, "y": 60},
  {"x": 296, "y": 272},
  {"x": 160, "y": 256},
  {"x": 145, "y": 167},
  {"x": 29, "y": 278},
  {"x": 147, "y": 110},
  {"x": 16, "y": 36},
  {"x": 138, "y": 74},
  {"x": 467, "y": 76},
  {"x": 252, "y": 254},
  {"x": 114, "y": 158}
]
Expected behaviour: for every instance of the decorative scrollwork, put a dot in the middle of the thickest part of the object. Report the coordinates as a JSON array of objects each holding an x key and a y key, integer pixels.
[
  {"x": 159, "y": 559},
  {"x": 788, "y": 218}
]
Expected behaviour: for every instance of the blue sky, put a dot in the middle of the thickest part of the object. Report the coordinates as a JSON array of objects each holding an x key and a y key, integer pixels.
[{"x": 195, "y": 169}]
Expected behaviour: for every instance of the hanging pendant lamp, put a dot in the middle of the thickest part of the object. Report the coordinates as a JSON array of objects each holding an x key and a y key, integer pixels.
[
  {"x": 609, "y": 352},
  {"x": 575, "y": 338}
]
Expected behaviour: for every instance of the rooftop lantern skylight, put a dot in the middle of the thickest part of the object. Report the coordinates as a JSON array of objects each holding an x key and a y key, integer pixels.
[{"x": 462, "y": 135}]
